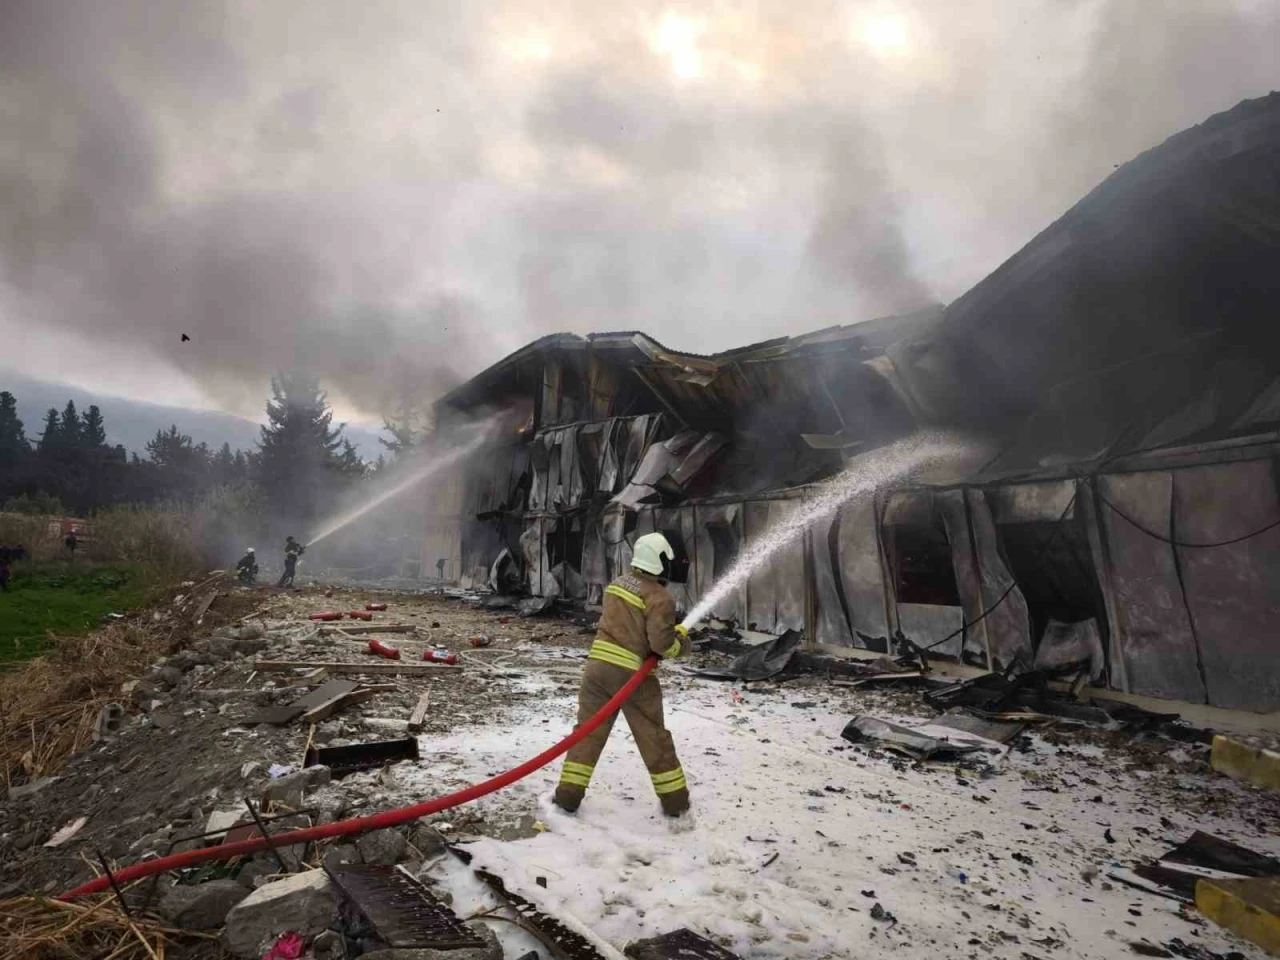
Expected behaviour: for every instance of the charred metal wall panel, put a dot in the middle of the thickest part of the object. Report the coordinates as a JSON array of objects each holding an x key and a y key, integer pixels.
[
  {"x": 927, "y": 623},
  {"x": 831, "y": 627},
  {"x": 1007, "y": 623},
  {"x": 789, "y": 570},
  {"x": 862, "y": 574},
  {"x": 971, "y": 645},
  {"x": 1154, "y": 636},
  {"x": 762, "y": 601},
  {"x": 1232, "y": 591}
]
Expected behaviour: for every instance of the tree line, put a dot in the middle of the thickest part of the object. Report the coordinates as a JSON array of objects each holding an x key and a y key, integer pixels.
[{"x": 300, "y": 463}]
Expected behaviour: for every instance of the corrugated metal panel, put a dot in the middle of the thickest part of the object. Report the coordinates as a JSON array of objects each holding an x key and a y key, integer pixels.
[
  {"x": 1155, "y": 637},
  {"x": 1233, "y": 591}
]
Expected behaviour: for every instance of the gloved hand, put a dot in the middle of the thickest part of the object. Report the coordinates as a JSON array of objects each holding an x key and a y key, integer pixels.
[{"x": 682, "y": 631}]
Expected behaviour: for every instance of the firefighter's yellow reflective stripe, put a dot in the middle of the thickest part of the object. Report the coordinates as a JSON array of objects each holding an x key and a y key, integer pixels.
[
  {"x": 623, "y": 594},
  {"x": 673, "y": 651},
  {"x": 576, "y": 774},
  {"x": 669, "y": 782},
  {"x": 609, "y": 652}
]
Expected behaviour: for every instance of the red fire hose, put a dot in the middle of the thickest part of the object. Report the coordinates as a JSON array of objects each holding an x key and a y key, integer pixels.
[{"x": 378, "y": 821}]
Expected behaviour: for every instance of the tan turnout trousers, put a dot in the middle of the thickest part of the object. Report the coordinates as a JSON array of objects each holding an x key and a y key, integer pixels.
[{"x": 638, "y": 619}]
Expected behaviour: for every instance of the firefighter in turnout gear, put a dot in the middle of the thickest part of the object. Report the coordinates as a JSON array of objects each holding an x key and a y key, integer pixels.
[
  {"x": 639, "y": 619},
  {"x": 247, "y": 568},
  {"x": 292, "y": 551}
]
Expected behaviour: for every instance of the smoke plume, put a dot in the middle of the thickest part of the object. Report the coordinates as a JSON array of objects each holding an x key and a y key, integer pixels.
[{"x": 393, "y": 194}]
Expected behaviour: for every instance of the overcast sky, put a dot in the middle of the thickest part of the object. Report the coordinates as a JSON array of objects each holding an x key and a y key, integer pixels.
[{"x": 396, "y": 193}]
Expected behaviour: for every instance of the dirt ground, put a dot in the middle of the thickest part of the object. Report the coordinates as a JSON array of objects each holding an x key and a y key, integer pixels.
[
  {"x": 183, "y": 751},
  {"x": 765, "y": 760}
]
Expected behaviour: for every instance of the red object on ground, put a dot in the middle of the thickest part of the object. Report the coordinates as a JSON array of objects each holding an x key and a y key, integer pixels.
[
  {"x": 439, "y": 656},
  {"x": 360, "y": 615},
  {"x": 290, "y": 946},
  {"x": 327, "y": 615},
  {"x": 378, "y": 821},
  {"x": 482, "y": 640},
  {"x": 375, "y": 606},
  {"x": 504, "y": 619},
  {"x": 384, "y": 650}
]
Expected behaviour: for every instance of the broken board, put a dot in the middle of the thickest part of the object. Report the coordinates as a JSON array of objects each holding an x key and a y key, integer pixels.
[
  {"x": 323, "y": 694},
  {"x": 372, "y": 666},
  {"x": 418, "y": 719},
  {"x": 355, "y": 629}
]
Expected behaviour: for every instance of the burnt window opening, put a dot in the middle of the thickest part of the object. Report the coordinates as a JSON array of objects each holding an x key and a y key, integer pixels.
[
  {"x": 566, "y": 542},
  {"x": 724, "y": 547},
  {"x": 679, "y": 569},
  {"x": 920, "y": 558},
  {"x": 1053, "y": 567}
]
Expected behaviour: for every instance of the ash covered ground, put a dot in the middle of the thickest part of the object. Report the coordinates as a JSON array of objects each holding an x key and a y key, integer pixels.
[{"x": 803, "y": 845}]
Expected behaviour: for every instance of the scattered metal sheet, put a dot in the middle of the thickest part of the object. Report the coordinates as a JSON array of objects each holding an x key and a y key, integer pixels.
[
  {"x": 362, "y": 756},
  {"x": 904, "y": 740},
  {"x": 998, "y": 730},
  {"x": 399, "y": 911},
  {"x": 682, "y": 944},
  {"x": 1202, "y": 855},
  {"x": 760, "y": 662},
  {"x": 568, "y": 944}
]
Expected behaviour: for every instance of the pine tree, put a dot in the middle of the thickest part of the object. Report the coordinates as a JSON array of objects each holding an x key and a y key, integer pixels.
[
  {"x": 223, "y": 466},
  {"x": 182, "y": 468},
  {"x": 51, "y": 436},
  {"x": 93, "y": 430},
  {"x": 71, "y": 430},
  {"x": 302, "y": 458},
  {"x": 13, "y": 438},
  {"x": 408, "y": 425}
]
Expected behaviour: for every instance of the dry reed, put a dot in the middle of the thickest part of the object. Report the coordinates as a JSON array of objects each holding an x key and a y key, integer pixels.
[
  {"x": 36, "y": 928},
  {"x": 48, "y": 706}
]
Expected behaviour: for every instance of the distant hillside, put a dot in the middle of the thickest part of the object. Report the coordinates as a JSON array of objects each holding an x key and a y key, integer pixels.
[{"x": 133, "y": 423}]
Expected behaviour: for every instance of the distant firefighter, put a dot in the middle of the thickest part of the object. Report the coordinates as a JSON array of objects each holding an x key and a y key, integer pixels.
[
  {"x": 9, "y": 556},
  {"x": 440, "y": 569},
  {"x": 247, "y": 568},
  {"x": 71, "y": 542},
  {"x": 292, "y": 551}
]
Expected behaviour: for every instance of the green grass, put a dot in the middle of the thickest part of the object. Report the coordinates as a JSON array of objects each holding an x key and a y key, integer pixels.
[{"x": 64, "y": 598}]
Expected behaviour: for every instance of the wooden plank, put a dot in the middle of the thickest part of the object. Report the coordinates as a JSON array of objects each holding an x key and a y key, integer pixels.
[
  {"x": 372, "y": 666},
  {"x": 204, "y": 605},
  {"x": 312, "y": 676},
  {"x": 358, "y": 628},
  {"x": 418, "y": 719},
  {"x": 289, "y": 712},
  {"x": 331, "y": 706}
]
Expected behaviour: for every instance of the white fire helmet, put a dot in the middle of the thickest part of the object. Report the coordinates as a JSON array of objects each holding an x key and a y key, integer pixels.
[
  {"x": 649, "y": 552},
  {"x": 248, "y": 549}
]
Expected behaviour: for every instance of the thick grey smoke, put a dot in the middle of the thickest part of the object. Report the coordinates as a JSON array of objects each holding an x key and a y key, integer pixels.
[{"x": 393, "y": 194}]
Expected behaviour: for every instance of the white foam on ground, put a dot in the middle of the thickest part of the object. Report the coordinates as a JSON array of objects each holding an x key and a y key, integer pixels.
[{"x": 760, "y": 769}]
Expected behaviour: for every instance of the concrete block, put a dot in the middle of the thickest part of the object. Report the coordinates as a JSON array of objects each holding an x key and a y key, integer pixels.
[
  {"x": 492, "y": 950},
  {"x": 302, "y": 903},
  {"x": 1249, "y": 908},
  {"x": 1241, "y": 761},
  {"x": 201, "y": 907}
]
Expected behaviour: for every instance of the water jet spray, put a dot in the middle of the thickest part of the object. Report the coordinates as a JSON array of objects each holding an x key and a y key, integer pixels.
[
  {"x": 888, "y": 465},
  {"x": 436, "y": 465}
]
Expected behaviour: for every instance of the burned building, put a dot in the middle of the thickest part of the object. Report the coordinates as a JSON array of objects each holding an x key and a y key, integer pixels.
[{"x": 1124, "y": 364}]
